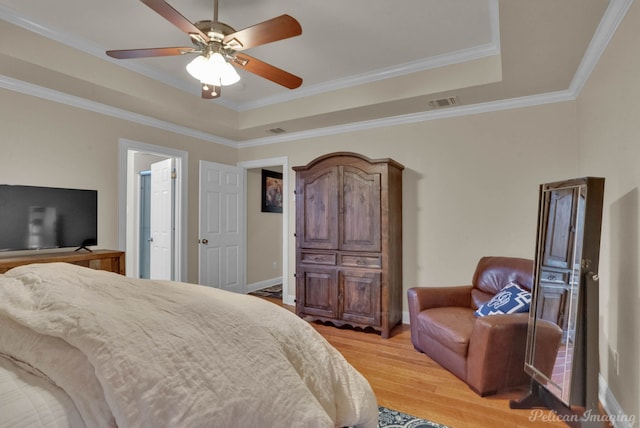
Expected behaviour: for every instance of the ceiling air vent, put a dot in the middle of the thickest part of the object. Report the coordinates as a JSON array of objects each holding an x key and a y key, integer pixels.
[
  {"x": 276, "y": 130},
  {"x": 444, "y": 102}
]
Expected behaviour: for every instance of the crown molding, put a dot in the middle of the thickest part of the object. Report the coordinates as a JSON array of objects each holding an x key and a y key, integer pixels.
[
  {"x": 609, "y": 23},
  {"x": 89, "y": 105},
  {"x": 611, "y": 20},
  {"x": 98, "y": 51},
  {"x": 463, "y": 55},
  {"x": 615, "y": 12},
  {"x": 513, "y": 103},
  {"x": 82, "y": 103}
]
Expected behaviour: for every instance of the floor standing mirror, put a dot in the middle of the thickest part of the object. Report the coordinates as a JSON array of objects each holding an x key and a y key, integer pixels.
[{"x": 566, "y": 293}]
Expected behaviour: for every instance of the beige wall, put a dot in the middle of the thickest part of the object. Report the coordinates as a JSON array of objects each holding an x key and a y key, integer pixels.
[
  {"x": 609, "y": 125},
  {"x": 264, "y": 233},
  {"x": 470, "y": 184},
  {"x": 51, "y": 144}
]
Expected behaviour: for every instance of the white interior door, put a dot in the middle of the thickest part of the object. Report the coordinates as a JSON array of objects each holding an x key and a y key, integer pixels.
[
  {"x": 161, "y": 220},
  {"x": 221, "y": 249}
]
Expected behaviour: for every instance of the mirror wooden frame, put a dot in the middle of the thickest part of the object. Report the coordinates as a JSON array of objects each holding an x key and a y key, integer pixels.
[{"x": 576, "y": 396}]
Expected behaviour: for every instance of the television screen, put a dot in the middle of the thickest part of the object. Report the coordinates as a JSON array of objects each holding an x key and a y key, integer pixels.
[{"x": 45, "y": 217}]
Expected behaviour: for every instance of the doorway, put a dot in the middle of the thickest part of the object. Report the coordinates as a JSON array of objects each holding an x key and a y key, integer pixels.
[
  {"x": 279, "y": 163},
  {"x": 136, "y": 157},
  {"x": 144, "y": 226}
]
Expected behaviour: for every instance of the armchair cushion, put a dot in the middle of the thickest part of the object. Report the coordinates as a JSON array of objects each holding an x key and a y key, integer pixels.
[
  {"x": 511, "y": 300},
  {"x": 451, "y": 327},
  {"x": 494, "y": 273}
]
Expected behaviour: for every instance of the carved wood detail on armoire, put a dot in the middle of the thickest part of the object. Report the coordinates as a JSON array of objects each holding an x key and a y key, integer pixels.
[{"x": 349, "y": 241}]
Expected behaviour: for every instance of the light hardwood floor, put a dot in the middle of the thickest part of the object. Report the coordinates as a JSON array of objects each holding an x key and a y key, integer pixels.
[{"x": 407, "y": 380}]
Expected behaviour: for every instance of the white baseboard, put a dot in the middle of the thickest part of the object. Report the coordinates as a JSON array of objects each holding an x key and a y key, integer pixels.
[
  {"x": 289, "y": 300},
  {"x": 264, "y": 284},
  {"x": 617, "y": 417},
  {"x": 405, "y": 317}
]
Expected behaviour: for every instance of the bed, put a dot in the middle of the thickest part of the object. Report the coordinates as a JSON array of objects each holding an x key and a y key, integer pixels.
[{"x": 81, "y": 347}]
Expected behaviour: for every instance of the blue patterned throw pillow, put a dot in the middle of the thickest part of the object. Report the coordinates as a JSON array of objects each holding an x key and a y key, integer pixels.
[{"x": 511, "y": 300}]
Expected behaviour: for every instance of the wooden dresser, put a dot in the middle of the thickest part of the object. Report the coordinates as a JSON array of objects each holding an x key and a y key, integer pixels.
[
  {"x": 109, "y": 260},
  {"x": 349, "y": 241}
]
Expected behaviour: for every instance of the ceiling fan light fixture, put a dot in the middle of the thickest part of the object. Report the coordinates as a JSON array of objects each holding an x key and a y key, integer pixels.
[{"x": 214, "y": 70}]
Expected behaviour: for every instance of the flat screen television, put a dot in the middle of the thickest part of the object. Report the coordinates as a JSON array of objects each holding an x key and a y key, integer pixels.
[{"x": 35, "y": 218}]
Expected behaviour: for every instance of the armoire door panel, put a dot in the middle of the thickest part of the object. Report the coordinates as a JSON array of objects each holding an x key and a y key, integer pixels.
[
  {"x": 360, "y": 210},
  {"x": 561, "y": 229},
  {"x": 318, "y": 201},
  {"x": 319, "y": 292},
  {"x": 552, "y": 303},
  {"x": 360, "y": 296}
]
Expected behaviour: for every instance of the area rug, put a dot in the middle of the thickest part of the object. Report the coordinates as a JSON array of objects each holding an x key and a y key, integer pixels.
[
  {"x": 273, "y": 292},
  {"x": 389, "y": 418}
]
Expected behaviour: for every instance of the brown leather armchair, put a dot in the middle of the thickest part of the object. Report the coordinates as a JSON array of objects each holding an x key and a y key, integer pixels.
[{"x": 485, "y": 352}]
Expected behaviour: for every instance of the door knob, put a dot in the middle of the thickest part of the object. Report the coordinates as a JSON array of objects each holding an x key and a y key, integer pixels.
[{"x": 205, "y": 241}]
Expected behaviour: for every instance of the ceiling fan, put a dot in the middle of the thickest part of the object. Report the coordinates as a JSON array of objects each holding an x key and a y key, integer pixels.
[{"x": 219, "y": 46}]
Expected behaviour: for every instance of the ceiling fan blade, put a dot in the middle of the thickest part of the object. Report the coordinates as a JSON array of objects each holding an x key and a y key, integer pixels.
[
  {"x": 281, "y": 27},
  {"x": 267, "y": 71},
  {"x": 173, "y": 16},
  {"x": 210, "y": 91},
  {"x": 151, "y": 52}
]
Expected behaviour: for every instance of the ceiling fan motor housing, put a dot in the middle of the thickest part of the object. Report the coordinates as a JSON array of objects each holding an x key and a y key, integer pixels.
[{"x": 215, "y": 30}]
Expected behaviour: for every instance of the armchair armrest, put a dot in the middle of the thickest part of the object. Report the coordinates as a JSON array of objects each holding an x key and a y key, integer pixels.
[
  {"x": 496, "y": 352},
  {"x": 421, "y": 298}
]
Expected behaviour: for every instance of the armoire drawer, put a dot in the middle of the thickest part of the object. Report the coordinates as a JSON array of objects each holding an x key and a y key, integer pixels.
[
  {"x": 557, "y": 277},
  {"x": 365, "y": 261},
  {"x": 312, "y": 257}
]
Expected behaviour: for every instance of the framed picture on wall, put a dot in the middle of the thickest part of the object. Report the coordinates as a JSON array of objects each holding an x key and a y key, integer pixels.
[{"x": 271, "y": 192}]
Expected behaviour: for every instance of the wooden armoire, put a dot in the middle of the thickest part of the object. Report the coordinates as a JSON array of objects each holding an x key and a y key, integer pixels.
[{"x": 349, "y": 241}]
